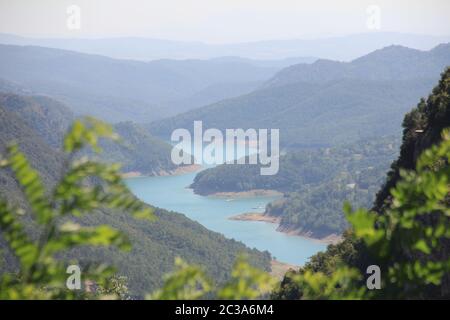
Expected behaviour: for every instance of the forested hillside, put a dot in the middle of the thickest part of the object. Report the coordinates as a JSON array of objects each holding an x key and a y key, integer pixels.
[
  {"x": 315, "y": 183},
  {"x": 422, "y": 128},
  {"x": 328, "y": 102},
  {"x": 390, "y": 63},
  {"x": 155, "y": 244},
  {"x": 45, "y": 158},
  {"x": 137, "y": 151},
  {"x": 123, "y": 90},
  {"x": 339, "y": 48}
]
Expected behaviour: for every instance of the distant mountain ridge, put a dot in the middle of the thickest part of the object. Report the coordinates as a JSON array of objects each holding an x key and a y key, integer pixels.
[
  {"x": 343, "y": 48},
  {"x": 121, "y": 90},
  {"x": 389, "y": 63},
  {"x": 327, "y": 102},
  {"x": 155, "y": 244},
  {"x": 314, "y": 183},
  {"x": 138, "y": 151}
]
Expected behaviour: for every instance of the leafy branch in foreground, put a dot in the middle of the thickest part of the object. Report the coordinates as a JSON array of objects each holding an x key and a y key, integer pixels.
[
  {"x": 184, "y": 283},
  {"x": 86, "y": 186},
  {"x": 405, "y": 242},
  {"x": 190, "y": 282}
]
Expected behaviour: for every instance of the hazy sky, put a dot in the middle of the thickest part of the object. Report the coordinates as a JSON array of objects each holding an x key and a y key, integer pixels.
[{"x": 221, "y": 21}]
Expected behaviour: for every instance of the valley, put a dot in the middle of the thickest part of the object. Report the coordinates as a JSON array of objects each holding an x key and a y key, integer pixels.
[
  {"x": 171, "y": 193},
  {"x": 336, "y": 127}
]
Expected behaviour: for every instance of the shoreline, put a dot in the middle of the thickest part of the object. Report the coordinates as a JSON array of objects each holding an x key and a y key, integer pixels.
[
  {"x": 178, "y": 171},
  {"x": 181, "y": 170},
  {"x": 247, "y": 194},
  {"x": 279, "y": 269},
  {"x": 329, "y": 239},
  {"x": 257, "y": 216}
]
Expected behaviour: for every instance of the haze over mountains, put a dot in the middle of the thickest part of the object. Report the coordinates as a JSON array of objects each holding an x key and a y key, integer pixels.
[
  {"x": 36, "y": 124},
  {"x": 313, "y": 103},
  {"x": 336, "y": 48},
  {"x": 389, "y": 63},
  {"x": 137, "y": 151},
  {"x": 328, "y": 102},
  {"x": 119, "y": 90}
]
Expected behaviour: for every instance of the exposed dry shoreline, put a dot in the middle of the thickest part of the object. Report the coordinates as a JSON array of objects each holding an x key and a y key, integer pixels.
[
  {"x": 279, "y": 268},
  {"x": 256, "y": 216},
  {"x": 132, "y": 174},
  {"x": 329, "y": 239},
  {"x": 178, "y": 171},
  {"x": 247, "y": 194},
  {"x": 181, "y": 170},
  {"x": 248, "y": 216}
]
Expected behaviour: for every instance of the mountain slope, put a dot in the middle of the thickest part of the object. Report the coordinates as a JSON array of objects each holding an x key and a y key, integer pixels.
[
  {"x": 155, "y": 244},
  {"x": 120, "y": 90},
  {"x": 137, "y": 151},
  {"x": 324, "y": 105},
  {"x": 46, "y": 159},
  {"x": 309, "y": 114},
  {"x": 47, "y": 116},
  {"x": 314, "y": 182},
  {"x": 422, "y": 128},
  {"x": 338, "y": 48},
  {"x": 390, "y": 63}
]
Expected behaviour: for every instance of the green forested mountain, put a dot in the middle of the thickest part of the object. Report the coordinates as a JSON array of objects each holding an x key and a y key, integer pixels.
[
  {"x": 13, "y": 87},
  {"x": 316, "y": 210},
  {"x": 325, "y": 104},
  {"x": 315, "y": 183},
  {"x": 123, "y": 90},
  {"x": 46, "y": 116},
  {"x": 155, "y": 244},
  {"x": 137, "y": 150},
  {"x": 300, "y": 167},
  {"x": 422, "y": 128},
  {"x": 297, "y": 168},
  {"x": 46, "y": 159},
  {"x": 390, "y": 63},
  {"x": 339, "y": 47}
]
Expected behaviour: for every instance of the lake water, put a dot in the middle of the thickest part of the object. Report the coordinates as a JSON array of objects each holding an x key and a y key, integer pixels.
[{"x": 170, "y": 192}]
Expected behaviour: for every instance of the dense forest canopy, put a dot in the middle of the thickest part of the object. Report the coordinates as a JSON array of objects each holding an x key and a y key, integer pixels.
[
  {"x": 125, "y": 90},
  {"x": 339, "y": 124},
  {"x": 315, "y": 183},
  {"x": 407, "y": 233},
  {"x": 328, "y": 102},
  {"x": 136, "y": 151},
  {"x": 155, "y": 245}
]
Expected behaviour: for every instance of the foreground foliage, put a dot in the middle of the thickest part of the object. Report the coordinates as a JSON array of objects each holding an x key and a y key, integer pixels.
[
  {"x": 190, "y": 282},
  {"x": 406, "y": 242},
  {"x": 407, "y": 232},
  {"x": 38, "y": 128},
  {"x": 86, "y": 186},
  {"x": 315, "y": 183},
  {"x": 41, "y": 275},
  {"x": 408, "y": 236}
]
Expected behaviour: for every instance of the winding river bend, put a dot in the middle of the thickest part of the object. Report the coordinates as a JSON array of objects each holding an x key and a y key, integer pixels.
[{"x": 171, "y": 193}]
